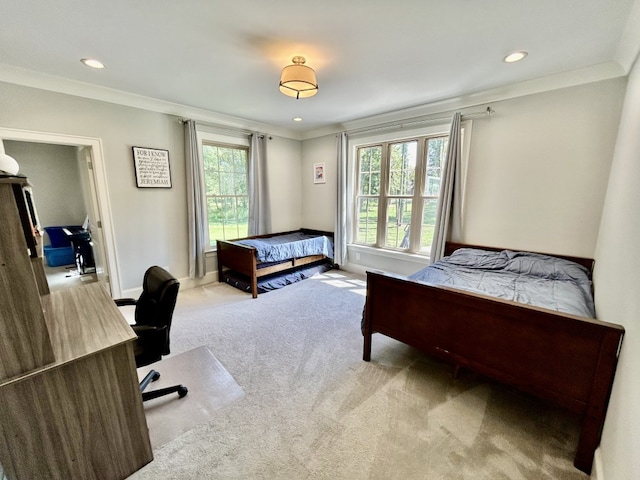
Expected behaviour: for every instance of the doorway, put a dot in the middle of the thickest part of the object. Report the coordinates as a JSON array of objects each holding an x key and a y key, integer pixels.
[
  {"x": 90, "y": 191},
  {"x": 60, "y": 200}
]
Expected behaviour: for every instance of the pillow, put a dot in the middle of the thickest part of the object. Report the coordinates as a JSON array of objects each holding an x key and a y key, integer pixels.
[{"x": 477, "y": 258}]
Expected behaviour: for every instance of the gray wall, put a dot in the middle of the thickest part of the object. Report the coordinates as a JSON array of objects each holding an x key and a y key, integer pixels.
[
  {"x": 537, "y": 174},
  {"x": 53, "y": 172},
  {"x": 150, "y": 224},
  {"x": 617, "y": 279}
]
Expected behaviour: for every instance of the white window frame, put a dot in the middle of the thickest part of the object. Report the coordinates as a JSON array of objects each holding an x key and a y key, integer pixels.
[
  {"x": 205, "y": 137},
  {"x": 394, "y": 137}
]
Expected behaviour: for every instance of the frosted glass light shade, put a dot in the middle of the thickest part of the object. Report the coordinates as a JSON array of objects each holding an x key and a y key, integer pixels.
[{"x": 298, "y": 80}]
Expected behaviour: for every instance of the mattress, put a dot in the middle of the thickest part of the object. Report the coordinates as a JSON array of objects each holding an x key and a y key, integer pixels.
[
  {"x": 524, "y": 277},
  {"x": 277, "y": 280},
  {"x": 291, "y": 245}
]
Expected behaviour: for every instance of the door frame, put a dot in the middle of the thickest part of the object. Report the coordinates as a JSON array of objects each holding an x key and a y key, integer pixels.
[{"x": 98, "y": 187}]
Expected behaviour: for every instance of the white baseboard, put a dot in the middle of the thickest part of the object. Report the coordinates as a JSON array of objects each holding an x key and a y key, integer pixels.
[
  {"x": 597, "y": 472},
  {"x": 354, "y": 268},
  {"x": 185, "y": 283},
  {"x": 209, "y": 277}
]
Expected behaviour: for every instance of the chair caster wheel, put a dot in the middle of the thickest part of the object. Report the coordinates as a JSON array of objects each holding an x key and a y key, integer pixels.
[
  {"x": 156, "y": 376},
  {"x": 182, "y": 391}
]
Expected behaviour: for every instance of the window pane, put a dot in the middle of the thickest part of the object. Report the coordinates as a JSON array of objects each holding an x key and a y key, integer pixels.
[
  {"x": 225, "y": 170},
  {"x": 365, "y": 183},
  {"x": 227, "y": 185},
  {"x": 436, "y": 154},
  {"x": 216, "y": 221},
  {"x": 212, "y": 182},
  {"x": 367, "y": 220},
  {"x": 210, "y": 163},
  {"x": 228, "y": 218},
  {"x": 240, "y": 182},
  {"x": 369, "y": 161},
  {"x": 243, "y": 216},
  {"x": 240, "y": 161},
  {"x": 402, "y": 168},
  {"x": 428, "y": 224},
  {"x": 225, "y": 157},
  {"x": 398, "y": 222}
]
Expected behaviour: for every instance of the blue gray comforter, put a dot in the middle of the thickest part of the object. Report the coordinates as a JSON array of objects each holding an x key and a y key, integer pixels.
[
  {"x": 523, "y": 277},
  {"x": 292, "y": 245}
]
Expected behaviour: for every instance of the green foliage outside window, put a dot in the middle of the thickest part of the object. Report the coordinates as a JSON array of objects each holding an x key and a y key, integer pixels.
[
  {"x": 402, "y": 165},
  {"x": 226, "y": 190}
]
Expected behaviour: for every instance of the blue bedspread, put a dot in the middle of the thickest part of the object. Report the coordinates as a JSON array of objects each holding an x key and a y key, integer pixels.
[
  {"x": 291, "y": 245},
  {"x": 523, "y": 277}
]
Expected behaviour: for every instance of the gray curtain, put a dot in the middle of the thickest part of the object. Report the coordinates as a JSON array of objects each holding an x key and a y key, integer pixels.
[
  {"x": 197, "y": 209},
  {"x": 448, "y": 214},
  {"x": 259, "y": 209},
  {"x": 340, "y": 231}
]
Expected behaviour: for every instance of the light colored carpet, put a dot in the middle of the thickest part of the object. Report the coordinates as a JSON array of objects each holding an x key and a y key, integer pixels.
[{"x": 314, "y": 410}]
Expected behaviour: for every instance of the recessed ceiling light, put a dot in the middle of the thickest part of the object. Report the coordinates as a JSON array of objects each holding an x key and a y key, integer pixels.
[
  {"x": 93, "y": 63},
  {"x": 515, "y": 56},
  {"x": 297, "y": 119}
]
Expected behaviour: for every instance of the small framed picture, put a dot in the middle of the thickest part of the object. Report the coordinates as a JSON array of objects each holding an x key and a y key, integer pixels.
[
  {"x": 318, "y": 173},
  {"x": 152, "y": 167}
]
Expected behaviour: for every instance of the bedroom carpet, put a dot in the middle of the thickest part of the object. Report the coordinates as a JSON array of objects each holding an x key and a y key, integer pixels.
[{"x": 314, "y": 410}]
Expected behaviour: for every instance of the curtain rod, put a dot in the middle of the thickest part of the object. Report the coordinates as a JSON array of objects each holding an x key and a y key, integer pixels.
[
  {"x": 243, "y": 131},
  {"x": 418, "y": 120}
]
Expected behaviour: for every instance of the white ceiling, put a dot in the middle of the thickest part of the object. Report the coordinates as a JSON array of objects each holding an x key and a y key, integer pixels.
[{"x": 371, "y": 56}]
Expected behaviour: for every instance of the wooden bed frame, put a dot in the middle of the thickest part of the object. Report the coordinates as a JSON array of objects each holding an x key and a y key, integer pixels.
[
  {"x": 242, "y": 258},
  {"x": 567, "y": 360}
]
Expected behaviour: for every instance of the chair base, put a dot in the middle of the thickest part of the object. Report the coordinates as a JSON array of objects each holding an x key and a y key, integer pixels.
[{"x": 154, "y": 375}]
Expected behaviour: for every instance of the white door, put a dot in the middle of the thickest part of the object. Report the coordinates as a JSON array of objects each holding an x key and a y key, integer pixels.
[{"x": 85, "y": 164}]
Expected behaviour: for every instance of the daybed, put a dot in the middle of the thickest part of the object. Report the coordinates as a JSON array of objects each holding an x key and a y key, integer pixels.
[
  {"x": 566, "y": 359},
  {"x": 251, "y": 263}
]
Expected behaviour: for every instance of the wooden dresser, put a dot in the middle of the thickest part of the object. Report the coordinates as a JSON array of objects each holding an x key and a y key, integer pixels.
[{"x": 71, "y": 405}]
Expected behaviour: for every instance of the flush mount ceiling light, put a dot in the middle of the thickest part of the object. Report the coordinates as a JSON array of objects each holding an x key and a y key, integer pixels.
[
  {"x": 298, "y": 80},
  {"x": 515, "y": 56},
  {"x": 92, "y": 62},
  {"x": 297, "y": 119}
]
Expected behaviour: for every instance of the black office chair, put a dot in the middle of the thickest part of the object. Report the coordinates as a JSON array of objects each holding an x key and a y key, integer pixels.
[{"x": 153, "y": 314}]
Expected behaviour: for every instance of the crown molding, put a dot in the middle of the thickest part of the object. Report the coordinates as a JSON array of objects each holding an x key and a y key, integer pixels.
[
  {"x": 595, "y": 73},
  {"x": 30, "y": 78}
]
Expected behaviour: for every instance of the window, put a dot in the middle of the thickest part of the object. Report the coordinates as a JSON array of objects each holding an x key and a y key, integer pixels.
[
  {"x": 398, "y": 184},
  {"x": 226, "y": 191}
]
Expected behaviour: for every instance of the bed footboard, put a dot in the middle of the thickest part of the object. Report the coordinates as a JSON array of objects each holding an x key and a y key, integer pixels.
[
  {"x": 240, "y": 258},
  {"x": 565, "y": 359}
]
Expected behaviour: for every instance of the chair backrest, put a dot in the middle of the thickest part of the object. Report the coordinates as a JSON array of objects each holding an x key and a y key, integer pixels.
[{"x": 158, "y": 300}]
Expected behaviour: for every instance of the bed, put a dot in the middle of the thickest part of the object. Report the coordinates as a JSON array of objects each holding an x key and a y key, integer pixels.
[
  {"x": 564, "y": 358},
  {"x": 263, "y": 262}
]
